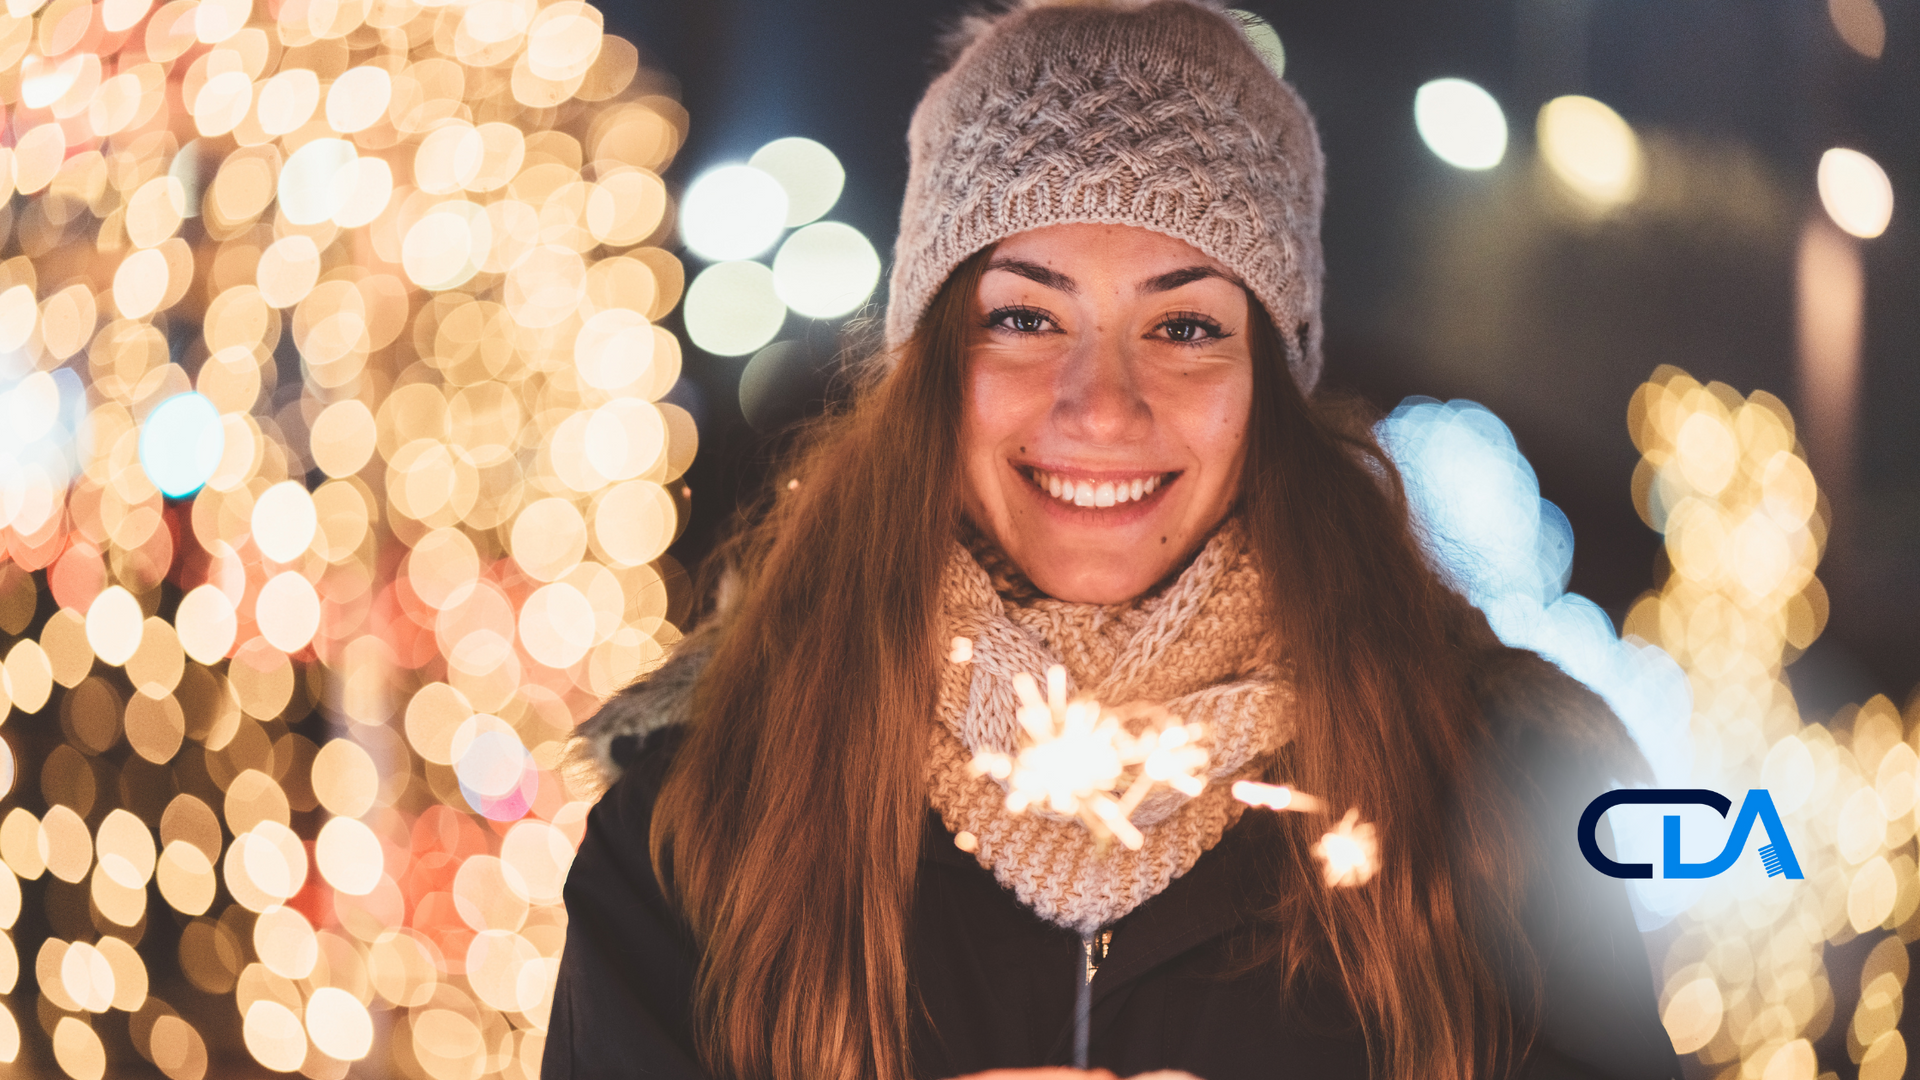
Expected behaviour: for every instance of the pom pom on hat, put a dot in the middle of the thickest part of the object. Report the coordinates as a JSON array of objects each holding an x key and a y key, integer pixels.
[
  {"x": 1154, "y": 113},
  {"x": 974, "y": 23}
]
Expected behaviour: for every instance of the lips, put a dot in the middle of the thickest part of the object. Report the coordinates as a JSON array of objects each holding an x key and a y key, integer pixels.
[{"x": 1096, "y": 491}]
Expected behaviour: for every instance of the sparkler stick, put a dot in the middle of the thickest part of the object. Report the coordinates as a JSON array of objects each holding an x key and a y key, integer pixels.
[{"x": 1083, "y": 1006}]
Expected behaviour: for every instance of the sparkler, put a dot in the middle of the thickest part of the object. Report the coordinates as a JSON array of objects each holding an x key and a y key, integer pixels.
[
  {"x": 1349, "y": 854},
  {"x": 1083, "y": 760},
  {"x": 1275, "y": 797},
  {"x": 1078, "y": 754}
]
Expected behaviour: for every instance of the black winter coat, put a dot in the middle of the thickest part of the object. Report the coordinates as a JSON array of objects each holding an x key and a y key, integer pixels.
[{"x": 998, "y": 984}]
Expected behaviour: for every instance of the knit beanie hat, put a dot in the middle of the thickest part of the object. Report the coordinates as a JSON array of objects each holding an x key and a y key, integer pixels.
[{"x": 1156, "y": 113}]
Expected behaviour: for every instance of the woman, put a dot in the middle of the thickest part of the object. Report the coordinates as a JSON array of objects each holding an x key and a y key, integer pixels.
[{"x": 1091, "y": 442}]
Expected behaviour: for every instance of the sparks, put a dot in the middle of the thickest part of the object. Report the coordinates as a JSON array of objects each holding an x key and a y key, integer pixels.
[
  {"x": 1275, "y": 797},
  {"x": 1350, "y": 852},
  {"x": 1080, "y": 759}
]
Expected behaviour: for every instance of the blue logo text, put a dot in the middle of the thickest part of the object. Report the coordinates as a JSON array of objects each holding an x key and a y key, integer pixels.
[{"x": 1776, "y": 855}]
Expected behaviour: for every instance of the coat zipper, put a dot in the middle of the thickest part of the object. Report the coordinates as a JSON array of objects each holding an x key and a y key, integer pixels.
[{"x": 1096, "y": 946}]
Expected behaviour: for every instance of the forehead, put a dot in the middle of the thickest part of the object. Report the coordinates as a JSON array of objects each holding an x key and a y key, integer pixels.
[{"x": 1096, "y": 250}]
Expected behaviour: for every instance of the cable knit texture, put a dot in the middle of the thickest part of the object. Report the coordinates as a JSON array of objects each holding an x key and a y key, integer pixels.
[
  {"x": 1157, "y": 114},
  {"x": 1198, "y": 647}
]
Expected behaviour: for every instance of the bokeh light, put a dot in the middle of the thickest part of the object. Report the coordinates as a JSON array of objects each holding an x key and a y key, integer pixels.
[
  {"x": 1264, "y": 39},
  {"x": 335, "y": 488},
  {"x": 733, "y": 308},
  {"x": 311, "y": 182},
  {"x": 1856, "y": 192},
  {"x": 825, "y": 271},
  {"x": 1461, "y": 123},
  {"x": 1697, "y": 673},
  {"x": 1511, "y": 552},
  {"x": 182, "y": 443},
  {"x": 284, "y": 520},
  {"x": 1746, "y": 981},
  {"x": 1591, "y": 149},
  {"x": 114, "y": 625},
  {"x": 1861, "y": 24},
  {"x": 732, "y": 212},
  {"x": 808, "y": 172}
]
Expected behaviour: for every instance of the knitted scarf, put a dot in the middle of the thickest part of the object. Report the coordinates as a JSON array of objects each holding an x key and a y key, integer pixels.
[{"x": 1197, "y": 646}]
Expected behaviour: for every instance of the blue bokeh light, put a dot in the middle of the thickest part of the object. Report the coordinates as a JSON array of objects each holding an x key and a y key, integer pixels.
[
  {"x": 1477, "y": 503},
  {"x": 45, "y": 439},
  {"x": 181, "y": 444}
]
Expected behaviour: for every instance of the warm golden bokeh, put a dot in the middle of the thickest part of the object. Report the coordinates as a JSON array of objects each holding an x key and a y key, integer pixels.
[
  {"x": 1746, "y": 984},
  {"x": 343, "y": 492}
]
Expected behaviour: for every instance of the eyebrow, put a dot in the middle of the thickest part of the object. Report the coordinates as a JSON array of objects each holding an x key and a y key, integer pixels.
[
  {"x": 1034, "y": 272},
  {"x": 1173, "y": 279},
  {"x": 1054, "y": 279}
]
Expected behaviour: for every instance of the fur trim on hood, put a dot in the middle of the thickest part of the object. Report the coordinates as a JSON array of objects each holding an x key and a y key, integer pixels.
[{"x": 603, "y": 744}]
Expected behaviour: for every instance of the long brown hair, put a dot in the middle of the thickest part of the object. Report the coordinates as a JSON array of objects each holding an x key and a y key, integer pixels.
[
  {"x": 1431, "y": 951},
  {"x": 788, "y": 831}
]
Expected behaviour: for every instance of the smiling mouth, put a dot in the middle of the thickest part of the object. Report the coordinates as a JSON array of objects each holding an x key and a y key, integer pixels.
[{"x": 1096, "y": 492}]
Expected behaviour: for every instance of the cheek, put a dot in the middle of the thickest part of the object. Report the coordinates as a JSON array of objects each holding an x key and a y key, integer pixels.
[
  {"x": 998, "y": 408},
  {"x": 985, "y": 427},
  {"x": 1215, "y": 425}
]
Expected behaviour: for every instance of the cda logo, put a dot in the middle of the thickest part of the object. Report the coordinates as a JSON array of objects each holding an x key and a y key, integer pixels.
[{"x": 1777, "y": 855}]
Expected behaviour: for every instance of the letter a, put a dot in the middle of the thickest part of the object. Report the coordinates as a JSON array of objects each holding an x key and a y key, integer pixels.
[{"x": 1777, "y": 855}]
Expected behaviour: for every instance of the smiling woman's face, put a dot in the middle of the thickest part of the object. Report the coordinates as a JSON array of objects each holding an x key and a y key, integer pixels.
[{"x": 1108, "y": 387}]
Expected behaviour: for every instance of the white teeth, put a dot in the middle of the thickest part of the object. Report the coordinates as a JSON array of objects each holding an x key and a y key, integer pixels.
[{"x": 1103, "y": 494}]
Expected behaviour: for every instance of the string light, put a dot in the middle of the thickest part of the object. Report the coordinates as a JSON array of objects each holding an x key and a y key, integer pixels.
[
  {"x": 337, "y": 492},
  {"x": 1855, "y": 191},
  {"x": 1745, "y": 983},
  {"x": 1592, "y": 150},
  {"x": 735, "y": 213},
  {"x": 1461, "y": 123}
]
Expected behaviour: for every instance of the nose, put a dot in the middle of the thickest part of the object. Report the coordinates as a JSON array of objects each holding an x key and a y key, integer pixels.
[{"x": 1096, "y": 397}]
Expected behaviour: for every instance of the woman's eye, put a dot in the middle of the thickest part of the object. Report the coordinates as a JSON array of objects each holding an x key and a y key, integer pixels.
[
  {"x": 1020, "y": 321},
  {"x": 1187, "y": 331}
]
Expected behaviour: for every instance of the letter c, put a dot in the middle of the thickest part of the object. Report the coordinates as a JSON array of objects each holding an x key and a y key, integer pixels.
[{"x": 1590, "y": 820}]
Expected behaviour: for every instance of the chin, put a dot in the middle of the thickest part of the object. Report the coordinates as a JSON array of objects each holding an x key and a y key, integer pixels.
[{"x": 1080, "y": 584}]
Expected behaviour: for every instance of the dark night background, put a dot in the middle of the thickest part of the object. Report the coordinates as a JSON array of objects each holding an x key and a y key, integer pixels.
[{"x": 1457, "y": 284}]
